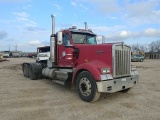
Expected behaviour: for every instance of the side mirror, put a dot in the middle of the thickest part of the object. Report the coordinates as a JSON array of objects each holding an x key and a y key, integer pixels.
[
  {"x": 59, "y": 38},
  {"x": 103, "y": 39},
  {"x": 100, "y": 39}
]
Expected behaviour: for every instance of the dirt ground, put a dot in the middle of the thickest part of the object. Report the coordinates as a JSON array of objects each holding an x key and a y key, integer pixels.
[{"x": 25, "y": 99}]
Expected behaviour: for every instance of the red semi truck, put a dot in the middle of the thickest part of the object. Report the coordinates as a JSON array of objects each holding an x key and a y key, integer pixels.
[{"x": 76, "y": 58}]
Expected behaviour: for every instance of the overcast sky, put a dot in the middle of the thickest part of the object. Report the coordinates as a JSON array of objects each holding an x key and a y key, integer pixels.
[{"x": 27, "y": 23}]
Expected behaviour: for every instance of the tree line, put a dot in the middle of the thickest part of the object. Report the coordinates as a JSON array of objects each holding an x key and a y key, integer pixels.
[{"x": 154, "y": 46}]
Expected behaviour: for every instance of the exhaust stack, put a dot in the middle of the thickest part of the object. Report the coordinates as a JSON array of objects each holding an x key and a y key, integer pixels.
[
  {"x": 86, "y": 26},
  {"x": 53, "y": 24},
  {"x": 52, "y": 41}
]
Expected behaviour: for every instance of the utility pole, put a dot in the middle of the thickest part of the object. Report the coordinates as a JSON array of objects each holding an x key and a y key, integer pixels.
[
  {"x": 16, "y": 47},
  {"x": 9, "y": 47}
]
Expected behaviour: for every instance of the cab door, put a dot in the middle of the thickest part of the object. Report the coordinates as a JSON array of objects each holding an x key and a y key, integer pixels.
[{"x": 65, "y": 52}]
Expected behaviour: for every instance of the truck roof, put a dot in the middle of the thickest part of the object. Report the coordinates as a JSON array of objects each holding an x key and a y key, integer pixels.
[{"x": 81, "y": 31}]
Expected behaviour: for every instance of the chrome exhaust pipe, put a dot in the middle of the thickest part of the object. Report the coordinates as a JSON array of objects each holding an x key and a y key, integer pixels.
[
  {"x": 53, "y": 24},
  {"x": 86, "y": 26},
  {"x": 52, "y": 41}
]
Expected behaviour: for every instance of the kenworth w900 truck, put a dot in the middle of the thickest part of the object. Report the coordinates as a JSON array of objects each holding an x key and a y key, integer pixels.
[{"x": 92, "y": 68}]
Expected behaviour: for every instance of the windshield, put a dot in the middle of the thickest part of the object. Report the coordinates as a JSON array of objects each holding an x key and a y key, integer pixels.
[{"x": 84, "y": 38}]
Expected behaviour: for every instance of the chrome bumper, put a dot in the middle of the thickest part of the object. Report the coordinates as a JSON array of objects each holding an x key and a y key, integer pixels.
[{"x": 114, "y": 85}]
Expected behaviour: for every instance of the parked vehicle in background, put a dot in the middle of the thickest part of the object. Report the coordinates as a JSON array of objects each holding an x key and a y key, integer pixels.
[
  {"x": 43, "y": 57},
  {"x": 1, "y": 57},
  {"x": 32, "y": 55},
  {"x": 6, "y": 55},
  {"x": 137, "y": 58}
]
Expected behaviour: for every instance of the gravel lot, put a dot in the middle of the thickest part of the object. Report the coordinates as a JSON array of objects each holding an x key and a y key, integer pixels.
[{"x": 25, "y": 99}]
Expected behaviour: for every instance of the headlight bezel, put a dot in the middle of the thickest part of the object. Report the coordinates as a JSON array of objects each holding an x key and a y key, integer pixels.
[{"x": 105, "y": 71}]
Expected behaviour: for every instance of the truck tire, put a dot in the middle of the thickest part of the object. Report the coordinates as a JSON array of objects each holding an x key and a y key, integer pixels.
[
  {"x": 25, "y": 70},
  {"x": 87, "y": 87},
  {"x": 32, "y": 74}
]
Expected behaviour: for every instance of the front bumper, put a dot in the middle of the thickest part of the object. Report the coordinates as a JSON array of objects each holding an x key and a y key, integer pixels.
[
  {"x": 114, "y": 85},
  {"x": 42, "y": 58}
]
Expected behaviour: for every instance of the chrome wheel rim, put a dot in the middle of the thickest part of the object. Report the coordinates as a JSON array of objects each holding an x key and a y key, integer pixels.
[{"x": 85, "y": 87}]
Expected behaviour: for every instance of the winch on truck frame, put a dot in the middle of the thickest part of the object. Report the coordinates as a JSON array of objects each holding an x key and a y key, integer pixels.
[{"x": 77, "y": 58}]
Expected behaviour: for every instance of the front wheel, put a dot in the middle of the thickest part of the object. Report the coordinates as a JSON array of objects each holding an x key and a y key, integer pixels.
[
  {"x": 141, "y": 60},
  {"x": 87, "y": 87}
]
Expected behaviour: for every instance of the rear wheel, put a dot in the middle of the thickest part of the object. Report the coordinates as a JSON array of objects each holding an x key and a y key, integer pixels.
[
  {"x": 32, "y": 74},
  {"x": 87, "y": 87},
  {"x": 25, "y": 70}
]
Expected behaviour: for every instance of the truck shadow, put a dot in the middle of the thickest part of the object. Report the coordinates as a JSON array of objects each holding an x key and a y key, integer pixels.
[{"x": 67, "y": 89}]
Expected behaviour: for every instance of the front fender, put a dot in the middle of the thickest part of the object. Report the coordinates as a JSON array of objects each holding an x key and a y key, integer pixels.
[{"x": 93, "y": 67}]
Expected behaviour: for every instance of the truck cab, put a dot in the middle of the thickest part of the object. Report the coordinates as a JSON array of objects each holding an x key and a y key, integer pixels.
[{"x": 91, "y": 68}]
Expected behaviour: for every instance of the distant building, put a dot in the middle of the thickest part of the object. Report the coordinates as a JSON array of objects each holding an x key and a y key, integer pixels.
[
  {"x": 152, "y": 55},
  {"x": 15, "y": 53},
  {"x": 11, "y": 53}
]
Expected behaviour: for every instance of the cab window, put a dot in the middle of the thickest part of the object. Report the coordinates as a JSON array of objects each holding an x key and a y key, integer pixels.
[{"x": 66, "y": 39}]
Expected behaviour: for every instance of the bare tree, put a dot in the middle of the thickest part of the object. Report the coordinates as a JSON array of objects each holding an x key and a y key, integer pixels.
[
  {"x": 158, "y": 45},
  {"x": 154, "y": 46},
  {"x": 139, "y": 48}
]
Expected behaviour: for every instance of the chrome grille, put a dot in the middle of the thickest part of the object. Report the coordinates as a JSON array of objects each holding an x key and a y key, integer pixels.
[{"x": 121, "y": 60}]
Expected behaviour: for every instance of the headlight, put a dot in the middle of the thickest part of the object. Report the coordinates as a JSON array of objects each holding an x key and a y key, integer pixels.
[{"x": 105, "y": 70}]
